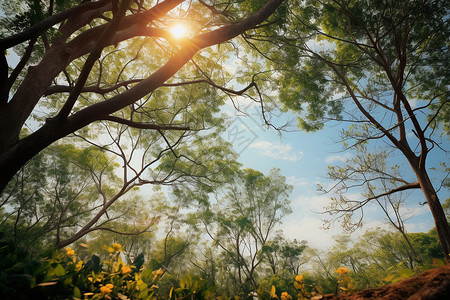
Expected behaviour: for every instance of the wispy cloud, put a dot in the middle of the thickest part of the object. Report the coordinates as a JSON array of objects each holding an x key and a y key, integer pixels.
[
  {"x": 311, "y": 230},
  {"x": 314, "y": 204},
  {"x": 296, "y": 181},
  {"x": 319, "y": 203},
  {"x": 341, "y": 158},
  {"x": 277, "y": 151}
]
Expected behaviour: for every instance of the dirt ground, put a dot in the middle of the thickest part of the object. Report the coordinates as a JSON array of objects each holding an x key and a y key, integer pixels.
[{"x": 431, "y": 285}]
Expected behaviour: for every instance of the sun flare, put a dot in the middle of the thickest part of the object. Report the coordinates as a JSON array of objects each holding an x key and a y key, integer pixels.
[{"x": 178, "y": 31}]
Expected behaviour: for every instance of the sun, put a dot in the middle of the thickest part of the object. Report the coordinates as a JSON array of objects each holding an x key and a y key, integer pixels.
[{"x": 178, "y": 30}]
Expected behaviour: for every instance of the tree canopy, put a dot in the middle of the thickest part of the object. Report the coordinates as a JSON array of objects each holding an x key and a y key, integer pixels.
[
  {"x": 67, "y": 47},
  {"x": 110, "y": 75},
  {"x": 380, "y": 65}
]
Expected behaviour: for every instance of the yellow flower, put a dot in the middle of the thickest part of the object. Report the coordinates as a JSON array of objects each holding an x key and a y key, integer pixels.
[
  {"x": 79, "y": 265},
  {"x": 159, "y": 272},
  {"x": 70, "y": 252},
  {"x": 341, "y": 270},
  {"x": 126, "y": 270},
  {"x": 106, "y": 289},
  {"x": 299, "y": 278},
  {"x": 285, "y": 296},
  {"x": 117, "y": 247}
]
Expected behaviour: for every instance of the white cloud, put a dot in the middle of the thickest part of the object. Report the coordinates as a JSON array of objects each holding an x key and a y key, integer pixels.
[
  {"x": 311, "y": 230},
  {"x": 421, "y": 210},
  {"x": 315, "y": 204},
  {"x": 410, "y": 134},
  {"x": 296, "y": 181},
  {"x": 341, "y": 158},
  {"x": 418, "y": 227},
  {"x": 277, "y": 151}
]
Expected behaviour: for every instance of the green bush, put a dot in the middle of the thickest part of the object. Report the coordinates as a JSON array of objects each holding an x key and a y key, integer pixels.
[{"x": 59, "y": 274}]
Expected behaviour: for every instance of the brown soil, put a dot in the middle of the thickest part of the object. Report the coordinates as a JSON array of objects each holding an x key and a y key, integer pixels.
[{"x": 431, "y": 285}]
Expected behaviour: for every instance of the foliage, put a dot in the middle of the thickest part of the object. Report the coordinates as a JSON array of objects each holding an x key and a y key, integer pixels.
[
  {"x": 64, "y": 188},
  {"x": 187, "y": 87},
  {"x": 243, "y": 221},
  {"x": 53, "y": 194},
  {"x": 283, "y": 254},
  {"x": 60, "y": 275},
  {"x": 334, "y": 43},
  {"x": 167, "y": 135},
  {"x": 129, "y": 105},
  {"x": 376, "y": 258},
  {"x": 375, "y": 64},
  {"x": 64, "y": 274}
]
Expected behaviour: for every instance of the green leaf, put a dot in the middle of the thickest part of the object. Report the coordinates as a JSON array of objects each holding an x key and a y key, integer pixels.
[
  {"x": 76, "y": 292},
  {"x": 59, "y": 270}
]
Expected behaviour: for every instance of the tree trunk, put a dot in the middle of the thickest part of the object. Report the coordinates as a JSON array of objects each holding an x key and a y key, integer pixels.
[
  {"x": 440, "y": 221},
  {"x": 14, "y": 158}
]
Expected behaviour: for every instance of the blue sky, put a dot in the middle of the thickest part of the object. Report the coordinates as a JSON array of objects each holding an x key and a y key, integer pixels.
[{"x": 303, "y": 159}]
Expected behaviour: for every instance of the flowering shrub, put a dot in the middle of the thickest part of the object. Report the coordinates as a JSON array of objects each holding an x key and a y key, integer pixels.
[
  {"x": 343, "y": 280},
  {"x": 59, "y": 274}
]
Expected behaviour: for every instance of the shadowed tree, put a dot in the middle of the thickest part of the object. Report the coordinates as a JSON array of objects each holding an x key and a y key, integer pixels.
[
  {"x": 62, "y": 80},
  {"x": 101, "y": 73},
  {"x": 284, "y": 256}
]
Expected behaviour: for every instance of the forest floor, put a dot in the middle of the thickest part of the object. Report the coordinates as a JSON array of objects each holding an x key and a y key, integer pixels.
[{"x": 430, "y": 285}]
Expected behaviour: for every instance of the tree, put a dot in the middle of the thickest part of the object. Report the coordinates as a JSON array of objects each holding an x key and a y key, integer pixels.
[
  {"x": 69, "y": 64},
  {"x": 69, "y": 78},
  {"x": 244, "y": 221},
  {"x": 284, "y": 256},
  {"x": 54, "y": 194},
  {"x": 387, "y": 58},
  {"x": 378, "y": 257},
  {"x": 368, "y": 171}
]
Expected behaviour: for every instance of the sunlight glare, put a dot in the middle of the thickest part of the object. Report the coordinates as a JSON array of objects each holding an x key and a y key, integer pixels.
[{"x": 178, "y": 31}]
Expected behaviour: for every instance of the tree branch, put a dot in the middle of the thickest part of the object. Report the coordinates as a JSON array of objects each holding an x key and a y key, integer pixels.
[
  {"x": 144, "y": 125},
  {"x": 37, "y": 29},
  {"x": 414, "y": 185}
]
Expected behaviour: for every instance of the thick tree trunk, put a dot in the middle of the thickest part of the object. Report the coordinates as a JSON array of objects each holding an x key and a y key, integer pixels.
[{"x": 14, "y": 158}]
